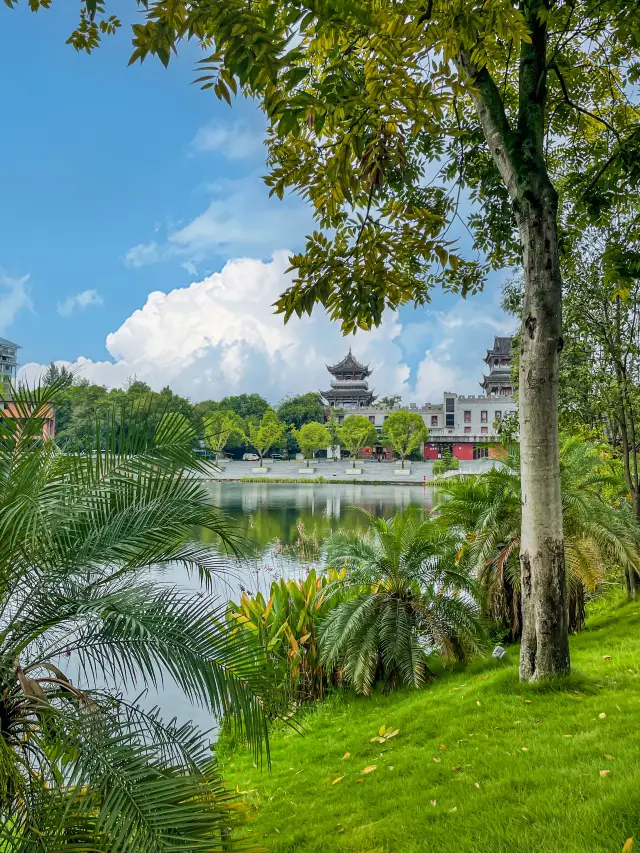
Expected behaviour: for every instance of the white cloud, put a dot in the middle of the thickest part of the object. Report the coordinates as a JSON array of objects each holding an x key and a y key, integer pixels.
[
  {"x": 142, "y": 255},
  {"x": 235, "y": 141},
  {"x": 219, "y": 336},
  {"x": 14, "y": 296},
  {"x": 240, "y": 220},
  {"x": 79, "y": 301}
]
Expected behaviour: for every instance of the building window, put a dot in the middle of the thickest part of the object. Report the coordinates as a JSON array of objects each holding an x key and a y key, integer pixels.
[
  {"x": 450, "y": 404},
  {"x": 434, "y": 420},
  {"x": 484, "y": 430},
  {"x": 467, "y": 430},
  {"x": 467, "y": 416},
  {"x": 498, "y": 415},
  {"x": 372, "y": 418},
  {"x": 484, "y": 416},
  {"x": 450, "y": 420},
  {"x": 480, "y": 452}
]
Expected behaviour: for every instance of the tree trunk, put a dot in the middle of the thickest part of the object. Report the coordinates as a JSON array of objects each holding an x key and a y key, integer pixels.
[{"x": 544, "y": 651}]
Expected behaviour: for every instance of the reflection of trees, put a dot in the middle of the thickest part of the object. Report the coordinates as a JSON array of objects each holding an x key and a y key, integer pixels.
[{"x": 293, "y": 521}]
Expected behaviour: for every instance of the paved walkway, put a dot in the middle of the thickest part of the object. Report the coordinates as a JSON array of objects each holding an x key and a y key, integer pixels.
[{"x": 378, "y": 472}]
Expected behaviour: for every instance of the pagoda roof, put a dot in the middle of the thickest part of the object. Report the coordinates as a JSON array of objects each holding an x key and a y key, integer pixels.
[
  {"x": 6, "y": 343},
  {"x": 501, "y": 346},
  {"x": 349, "y": 362}
]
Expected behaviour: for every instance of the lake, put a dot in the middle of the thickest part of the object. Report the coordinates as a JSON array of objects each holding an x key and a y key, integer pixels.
[{"x": 286, "y": 524}]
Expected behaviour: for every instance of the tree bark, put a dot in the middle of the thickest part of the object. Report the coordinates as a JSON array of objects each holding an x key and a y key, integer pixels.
[{"x": 544, "y": 650}]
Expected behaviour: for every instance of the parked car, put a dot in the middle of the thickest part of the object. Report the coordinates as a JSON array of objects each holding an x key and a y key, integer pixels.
[
  {"x": 251, "y": 457},
  {"x": 277, "y": 456}
]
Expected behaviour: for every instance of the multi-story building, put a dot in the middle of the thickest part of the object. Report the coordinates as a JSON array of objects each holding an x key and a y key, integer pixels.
[
  {"x": 349, "y": 386},
  {"x": 9, "y": 359},
  {"x": 498, "y": 382},
  {"x": 466, "y": 425}
]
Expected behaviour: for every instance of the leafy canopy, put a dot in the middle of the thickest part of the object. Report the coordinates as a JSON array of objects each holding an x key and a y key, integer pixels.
[
  {"x": 382, "y": 115},
  {"x": 406, "y": 431},
  {"x": 357, "y": 432},
  {"x": 269, "y": 431},
  {"x": 311, "y": 437}
]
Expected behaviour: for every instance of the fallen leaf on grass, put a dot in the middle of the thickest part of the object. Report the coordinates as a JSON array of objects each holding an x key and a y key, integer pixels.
[
  {"x": 442, "y": 746},
  {"x": 434, "y": 803},
  {"x": 477, "y": 701},
  {"x": 525, "y": 749},
  {"x": 567, "y": 735},
  {"x": 437, "y": 760},
  {"x": 608, "y": 757},
  {"x": 456, "y": 768},
  {"x": 605, "y": 772},
  {"x": 369, "y": 769},
  {"x": 391, "y": 767},
  {"x": 606, "y": 657},
  {"x": 339, "y": 779},
  {"x": 481, "y": 677},
  {"x": 528, "y": 702},
  {"x": 346, "y": 755},
  {"x": 359, "y": 780},
  {"x": 384, "y": 735},
  {"x": 627, "y": 847},
  {"x": 602, "y": 716},
  {"x": 454, "y": 809},
  {"x": 476, "y": 784}
]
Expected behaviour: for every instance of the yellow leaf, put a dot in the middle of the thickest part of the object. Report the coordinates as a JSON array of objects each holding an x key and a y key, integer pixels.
[
  {"x": 456, "y": 768},
  {"x": 476, "y": 784},
  {"x": 524, "y": 749},
  {"x": 381, "y": 730},
  {"x": 606, "y": 657},
  {"x": 434, "y": 803},
  {"x": 392, "y": 734},
  {"x": 568, "y": 735},
  {"x": 442, "y": 746},
  {"x": 359, "y": 780},
  {"x": 454, "y": 809},
  {"x": 477, "y": 701},
  {"x": 369, "y": 769},
  {"x": 608, "y": 757},
  {"x": 627, "y": 847},
  {"x": 391, "y": 767},
  {"x": 528, "y": 702},
  {"x": 437, "y": 760},
  {"x": 339, "y": 779},
  {"x": 605, "y": 772},
  {"x": 602, "y": 716},
  {"x": 346, "y": 755}
]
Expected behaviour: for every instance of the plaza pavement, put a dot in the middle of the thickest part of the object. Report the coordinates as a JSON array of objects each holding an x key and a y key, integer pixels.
[{"x": 376, "y": 472}]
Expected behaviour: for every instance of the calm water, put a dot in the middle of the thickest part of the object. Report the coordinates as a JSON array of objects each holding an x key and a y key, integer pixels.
[{"x": 286, "y": 525}]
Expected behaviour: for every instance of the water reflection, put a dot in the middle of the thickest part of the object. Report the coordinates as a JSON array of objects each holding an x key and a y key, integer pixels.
[{"x": 286, "y": 524}]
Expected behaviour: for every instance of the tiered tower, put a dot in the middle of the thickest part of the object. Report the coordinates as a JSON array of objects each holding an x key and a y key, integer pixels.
[
  {"x": 349, "y": 386},
  {"x": 498, "y": 382}
]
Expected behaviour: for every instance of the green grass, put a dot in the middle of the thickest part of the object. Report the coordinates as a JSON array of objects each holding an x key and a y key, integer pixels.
[{"x": 550, "y": 798}]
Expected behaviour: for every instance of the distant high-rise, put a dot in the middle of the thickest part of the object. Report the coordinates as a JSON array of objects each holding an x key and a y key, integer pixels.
[
  {"x": 9, "y": 358},
  {"x": 349, "y": 386},
  {"x": 498, "y": 382}
]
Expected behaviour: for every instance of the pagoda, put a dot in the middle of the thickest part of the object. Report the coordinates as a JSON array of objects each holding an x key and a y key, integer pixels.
[
  {"x": 498, "y": 382},
  {"x": 349, "y": 386}
]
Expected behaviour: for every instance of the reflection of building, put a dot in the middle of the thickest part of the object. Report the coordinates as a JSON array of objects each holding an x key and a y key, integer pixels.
[
  {"x": 498, "y": 382},
  {"x": 349, "y": 386},
  {"x": 9, "y": 358},
  {"x": 462, "y": 424}
]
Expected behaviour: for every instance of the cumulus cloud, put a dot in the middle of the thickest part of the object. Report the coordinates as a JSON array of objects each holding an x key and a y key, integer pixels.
[
  {"x": 235, "y": 141},
  {"x": 219, "y": 336},
  {"x": 79, "y": 301},
  {"x": 14, "y": 296}
]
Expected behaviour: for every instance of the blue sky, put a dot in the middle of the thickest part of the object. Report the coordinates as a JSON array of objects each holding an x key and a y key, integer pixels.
[{"x": 119, "y": 182}]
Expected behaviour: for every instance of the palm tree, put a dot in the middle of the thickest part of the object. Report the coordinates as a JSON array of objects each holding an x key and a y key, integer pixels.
[
  {"x": 486, "y": 511},
  {"x": 410, "y": 598},
  {"x": 82, "y": 767}
]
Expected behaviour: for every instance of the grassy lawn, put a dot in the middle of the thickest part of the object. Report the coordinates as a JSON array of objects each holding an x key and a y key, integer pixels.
[{"x": 481, "y": 763}]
